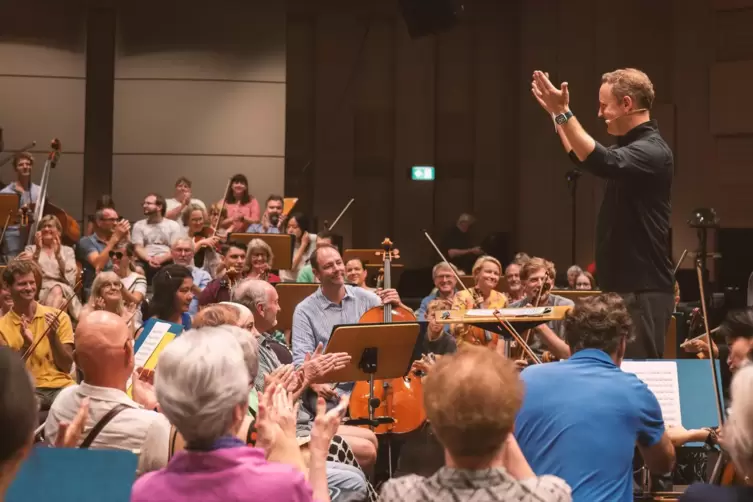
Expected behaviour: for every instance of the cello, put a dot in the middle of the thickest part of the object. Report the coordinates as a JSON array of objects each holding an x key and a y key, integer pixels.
[
  {"x": 71, "y": 229},
  {"x": 399, "y": 398}
]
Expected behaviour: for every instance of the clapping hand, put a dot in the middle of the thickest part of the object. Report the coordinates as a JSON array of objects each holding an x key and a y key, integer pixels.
[
  {"x": 553, "y": 100},
  {"x": 326, "y": 424},
  {"x": 317, "y": 365},
  {"x": 276, "y": 419}
]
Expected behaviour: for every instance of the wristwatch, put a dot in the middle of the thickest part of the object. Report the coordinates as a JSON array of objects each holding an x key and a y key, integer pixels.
[{"x": 563, "y": 117}]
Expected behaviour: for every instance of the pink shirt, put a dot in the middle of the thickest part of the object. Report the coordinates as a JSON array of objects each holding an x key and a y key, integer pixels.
[
  {"x": 239, "y": 474},
  {"x": 250, "y": 210}
]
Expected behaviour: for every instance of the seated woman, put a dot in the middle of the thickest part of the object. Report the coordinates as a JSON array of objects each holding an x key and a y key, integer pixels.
[
  {"x": 355, "y": 273},
  {"x": 172, "y": 294},
  {"x": 58, "y": 266},
  {"x": 305, "y": 243},
  {"x": 216, "y": 465},
  {"x": 259, "y": 259},
  {"x": 486, "y": 273},
  {"x": 132, "y": 277},
  {"x": 107, "y": 294},
  {"x": 196, "y": 222},
  {"x": 585, "y": 281},
  {"x": 736, "y": 439}
]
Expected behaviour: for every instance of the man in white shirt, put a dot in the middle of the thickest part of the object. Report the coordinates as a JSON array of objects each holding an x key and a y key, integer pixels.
[
  {"x": 104, "y": 353},
  {"x": 181, "y": 200},
  {"x": 153, "y": 235},
  {"x": 182, "y": 250}
]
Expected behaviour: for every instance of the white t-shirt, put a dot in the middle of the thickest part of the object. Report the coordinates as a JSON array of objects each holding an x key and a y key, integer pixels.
[
  {"x": 156, "y": 237},
  {"x": 172, "y": 203}
]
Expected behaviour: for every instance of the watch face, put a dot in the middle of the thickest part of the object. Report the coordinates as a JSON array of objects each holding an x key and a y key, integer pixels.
[{"x": 560, "y": 119}]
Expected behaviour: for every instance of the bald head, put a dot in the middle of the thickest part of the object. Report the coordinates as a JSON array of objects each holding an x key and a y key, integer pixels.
[{"x": 103, "y": 349}]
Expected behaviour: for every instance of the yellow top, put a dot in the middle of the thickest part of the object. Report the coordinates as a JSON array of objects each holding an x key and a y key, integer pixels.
[
  {"x": 40, "y": 363},
  {"x": 464, "y": 301}
]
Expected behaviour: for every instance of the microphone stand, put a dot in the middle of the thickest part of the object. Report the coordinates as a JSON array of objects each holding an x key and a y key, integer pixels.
[{"x": 572, "y": 184}]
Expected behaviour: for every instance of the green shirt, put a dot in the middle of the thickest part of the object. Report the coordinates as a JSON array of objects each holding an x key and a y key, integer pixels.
[{"x": 306, "y": 274}]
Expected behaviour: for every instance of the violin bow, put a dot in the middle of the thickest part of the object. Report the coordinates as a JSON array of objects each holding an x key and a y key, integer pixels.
[
  {"x": 63, "y": 309},
  {"x": 351, "y": 201},
  {"x": 502, "y": 321},
  {"x": 216, "y": 226}
]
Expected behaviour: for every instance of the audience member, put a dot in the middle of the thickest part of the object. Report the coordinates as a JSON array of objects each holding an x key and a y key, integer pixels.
[
  {"x": 242, "y": 208},
  {"x": 152, "y": 235},
  {"x": 272, "y": 221},
  {"x": 183, "y": 198},
  {"x": 182, "y": 251}
]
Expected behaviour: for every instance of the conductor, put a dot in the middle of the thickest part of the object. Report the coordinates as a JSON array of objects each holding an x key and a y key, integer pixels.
[{"x": 632, "y": 232}]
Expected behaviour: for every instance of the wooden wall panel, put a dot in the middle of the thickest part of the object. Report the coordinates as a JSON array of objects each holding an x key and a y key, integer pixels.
[{"x": 729, "y": 113}]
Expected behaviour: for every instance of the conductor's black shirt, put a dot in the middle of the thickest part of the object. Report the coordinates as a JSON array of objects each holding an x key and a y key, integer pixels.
[{"x": 632, "y": 230}]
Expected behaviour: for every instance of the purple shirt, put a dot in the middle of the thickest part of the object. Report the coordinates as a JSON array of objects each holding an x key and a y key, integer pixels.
[{"x": 229, "y": 474}]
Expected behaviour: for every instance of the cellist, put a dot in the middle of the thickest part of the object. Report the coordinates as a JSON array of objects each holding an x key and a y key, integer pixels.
[
  {"x": 23, "y": 162},
  {"x": 537, "y": 275}
]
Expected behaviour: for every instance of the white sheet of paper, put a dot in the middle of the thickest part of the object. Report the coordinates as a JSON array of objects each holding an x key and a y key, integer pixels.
[
  {"x": 529, "y": 312},
  {"x": 150, "y": 344},
  {"x": 661, "y": 378}
]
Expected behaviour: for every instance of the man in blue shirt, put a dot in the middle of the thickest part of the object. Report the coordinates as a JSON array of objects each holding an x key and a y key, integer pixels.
[
  {"x": 272, "y": 220},
  {"x": 28, "y": 194},
  {"x": 581, "y": 418},
  {"x": 444, "y": 289}
]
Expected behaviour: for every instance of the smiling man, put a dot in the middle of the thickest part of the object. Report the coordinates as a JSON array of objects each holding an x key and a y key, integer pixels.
[
  {"x": 28, "y": 193},
  {"x": 632, "y": 232}
]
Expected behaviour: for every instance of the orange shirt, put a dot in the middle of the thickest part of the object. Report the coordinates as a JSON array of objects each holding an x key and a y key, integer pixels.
[{"x": 41, "y": 364}]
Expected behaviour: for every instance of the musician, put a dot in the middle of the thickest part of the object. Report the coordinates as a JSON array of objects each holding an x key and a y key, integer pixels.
[
  {"x": 486, "y": 273},
  {"x": 262, "y": 300},
  {"x": 259, "y": 260},
  {"x": 457, "y": 246},
  {"x": 484, "y": 462},
  {"x": 58, "y": 265},
  {"x": 737, "y": 433},
  {"x": 534, "y": 274},
  {"x": 242, "y": 207},
  {"x": 173, "y": 293},
  {"x": 152, "y": 235},
  {"x": 355, "y": 273},
  {"x": 28, "y": 193},
  {"x": 93, "y": 251},
  {"x": 6, "y": 300},
  {"x": 333, "y": 303},
  {"x": 515, "y": 291},
  {"x": 632, "y": 234},
  {"x": 305, "y": 243},
  {"x": 585, "y": 282},
  {"x": 27, "y": 324},
  {"x": 444, "y": 285},
  {"x": 18, "y": 409},
  {"x": 272, "y": 221},
  {"x": 438, "y": 341},
  {"x": 306, "y": 274},
  {"x": 218, "y": 290},
  {"x": 737, "y": 330},
  {"x": 182, "y": 253},
  {"x": 104, "y": 353},
  {"x": 196, "y": 223},
  {"x": 588, "y": 404},
  {"x": 572, "y": 274},
  {"x": 183, "y": 197}
]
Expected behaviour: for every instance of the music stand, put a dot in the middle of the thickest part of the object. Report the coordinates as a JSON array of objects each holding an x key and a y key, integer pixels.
[
  {"x": 378, "y": 352},
  {"x": 290, "y": 295},
  {"x": 281, "y": 244}
]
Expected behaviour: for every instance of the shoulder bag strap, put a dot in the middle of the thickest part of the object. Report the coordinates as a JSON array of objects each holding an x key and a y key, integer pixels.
[{"x": 86, "y": 443}]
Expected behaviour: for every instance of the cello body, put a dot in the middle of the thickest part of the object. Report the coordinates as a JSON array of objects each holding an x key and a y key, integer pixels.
[{"x": 400, "y": 398}]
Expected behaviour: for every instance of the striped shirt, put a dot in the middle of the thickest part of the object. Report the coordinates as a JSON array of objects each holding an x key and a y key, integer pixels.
[
  {"x": 315, "y": 317},
  {"x": 486, "y": 485}
]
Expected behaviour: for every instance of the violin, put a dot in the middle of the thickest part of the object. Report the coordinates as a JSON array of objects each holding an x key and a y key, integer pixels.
[
  {"x": 475, "y": 335},
  {"x": 400, "y": 398},
  {"x": 71, "y": 229}
]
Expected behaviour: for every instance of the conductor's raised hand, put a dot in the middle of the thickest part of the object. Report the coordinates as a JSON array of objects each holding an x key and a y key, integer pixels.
[{"x": 553, "y": 100}]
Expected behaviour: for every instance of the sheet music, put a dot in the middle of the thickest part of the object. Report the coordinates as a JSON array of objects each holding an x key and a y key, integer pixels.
[
  {"x": 525, "y": 312},
  {"x": 661, "y": 378},
  {"x": 152, "y": 340}
]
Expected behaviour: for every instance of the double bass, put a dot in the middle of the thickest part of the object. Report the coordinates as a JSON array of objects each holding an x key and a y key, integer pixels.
[
  {"x": 42, "y": 207},
  {"x": 399, "y": 398}
]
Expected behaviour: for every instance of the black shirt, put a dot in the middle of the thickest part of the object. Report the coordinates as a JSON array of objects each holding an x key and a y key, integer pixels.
[
  {"x": 445, "y": 344},
  {"x": 632, "y": 230},
  {"x": 457, "y": 239}
]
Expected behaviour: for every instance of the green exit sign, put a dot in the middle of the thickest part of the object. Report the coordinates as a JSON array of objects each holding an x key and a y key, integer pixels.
[{"x": 422, "y": 173}]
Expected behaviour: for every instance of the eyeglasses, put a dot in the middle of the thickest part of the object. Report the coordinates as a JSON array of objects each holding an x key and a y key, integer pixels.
[{"x": 116, "y": 254}]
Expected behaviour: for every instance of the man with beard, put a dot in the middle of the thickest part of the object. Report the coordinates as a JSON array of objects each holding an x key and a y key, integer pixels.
[{"x": 152, "y": 235}]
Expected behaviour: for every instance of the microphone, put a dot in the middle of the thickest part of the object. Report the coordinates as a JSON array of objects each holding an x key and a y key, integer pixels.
[{"x": 632, "y": 112}]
